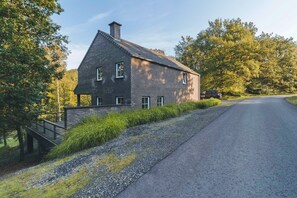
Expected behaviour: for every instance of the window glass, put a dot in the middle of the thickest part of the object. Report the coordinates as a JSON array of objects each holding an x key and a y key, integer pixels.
[
  {"x": 184, "y": 78},
  {"x": 160, "y": 101},
  {"x": 99, "y": 73},
  {"x": 120, "y": 70},
  {"x": 145, "y": 102},
  {"x": 99, "y": 101},
  {"x": 119, "y": 100}
]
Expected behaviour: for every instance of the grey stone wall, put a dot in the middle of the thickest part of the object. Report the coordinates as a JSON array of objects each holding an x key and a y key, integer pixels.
[
  {"x": 153, "y": 80},
  {"x": 74, "y": 115},
  {"x": 103, "y": 52}
]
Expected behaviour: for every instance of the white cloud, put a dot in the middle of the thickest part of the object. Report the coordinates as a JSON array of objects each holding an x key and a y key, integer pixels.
[
  {"x": 78, "y": 52},
  {"x": 83, "y": 26},
  {"x": 99, "y": 17}
]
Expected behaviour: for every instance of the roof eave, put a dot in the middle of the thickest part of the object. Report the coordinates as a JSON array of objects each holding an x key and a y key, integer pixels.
[{"x": 180, "y": 69}]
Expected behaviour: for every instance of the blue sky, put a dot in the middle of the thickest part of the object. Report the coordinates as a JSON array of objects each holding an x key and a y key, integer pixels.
[{"x": 161, "y": 23}]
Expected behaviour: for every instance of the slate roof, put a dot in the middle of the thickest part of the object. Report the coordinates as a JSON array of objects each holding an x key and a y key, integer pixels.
[{"x": 147, "y": 54}]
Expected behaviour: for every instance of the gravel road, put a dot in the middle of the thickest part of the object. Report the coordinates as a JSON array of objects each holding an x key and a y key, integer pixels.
[{"x": 249, "y": 151}]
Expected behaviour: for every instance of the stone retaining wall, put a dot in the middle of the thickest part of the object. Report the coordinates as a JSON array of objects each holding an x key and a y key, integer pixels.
[{"x": 73, "y": 115}]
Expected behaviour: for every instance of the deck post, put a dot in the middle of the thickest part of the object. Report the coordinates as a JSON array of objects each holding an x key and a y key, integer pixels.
[
  {"x": 29, "y": 143},
  {"x": 78, "y": 100}
]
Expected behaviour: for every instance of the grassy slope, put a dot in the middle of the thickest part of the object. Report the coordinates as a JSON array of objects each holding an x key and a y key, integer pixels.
[
  {"x": 292, "y": 100},
  {"x": 37, "y": 182},
  {"x": 94, "y": 130}
]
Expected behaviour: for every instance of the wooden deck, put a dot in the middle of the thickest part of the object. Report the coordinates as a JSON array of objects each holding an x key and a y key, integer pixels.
[{"x": 47, "y": 133}]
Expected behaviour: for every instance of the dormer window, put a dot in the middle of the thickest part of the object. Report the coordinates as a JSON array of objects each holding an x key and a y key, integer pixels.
[
  {"x": 184, "y": 78},
  {"x": 120, "y": 70},
  {"x": 99, "y": 73}
]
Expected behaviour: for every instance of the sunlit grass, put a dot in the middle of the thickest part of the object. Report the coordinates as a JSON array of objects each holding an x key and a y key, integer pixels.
[
  {"x": 21, "y": 185},
  {"x": 12, "y": 144},
  {"x": 113, "y": 163},
  {"x": 27, "y": 184},
  {"x": 292, "y": 100}
]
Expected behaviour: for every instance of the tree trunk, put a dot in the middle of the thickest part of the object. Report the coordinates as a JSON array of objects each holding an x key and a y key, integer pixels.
[
  {"x": 4, "y": 138},
  {"x": 21, "y": 142},
  {"x": 58, "y": 100}
]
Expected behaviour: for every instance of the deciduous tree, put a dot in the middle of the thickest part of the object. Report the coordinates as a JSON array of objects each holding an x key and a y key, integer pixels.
[
  {"x": 225, "y": 55},
  {"x": 232, "y": 59},
  {"x": 26, "y": 32}
]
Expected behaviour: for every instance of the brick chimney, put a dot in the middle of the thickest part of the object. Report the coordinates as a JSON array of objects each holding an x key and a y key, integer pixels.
[{"x": 115, "y": 30}]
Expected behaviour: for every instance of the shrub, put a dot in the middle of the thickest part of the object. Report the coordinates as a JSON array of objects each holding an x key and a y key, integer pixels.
[{"x": 93, "y": 130}]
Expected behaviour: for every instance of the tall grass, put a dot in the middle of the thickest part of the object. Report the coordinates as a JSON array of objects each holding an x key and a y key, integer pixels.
[{"x": 94, "y": 130}]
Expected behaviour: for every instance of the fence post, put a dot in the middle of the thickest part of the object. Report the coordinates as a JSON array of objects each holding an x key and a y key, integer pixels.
[
  {"x": 55, "y": 134},
  {"x": 43, "y": 126}
]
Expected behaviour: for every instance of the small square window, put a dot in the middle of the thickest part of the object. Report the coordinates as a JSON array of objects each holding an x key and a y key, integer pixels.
[
  {"x": 145, "y": 102},
  {"x": 120, "y": 70},
  {"x": 119, "y": 100},
  {"x": 99, "y": 73},
  {"x": 160, "y": 101},
  {"x": 184, "y": 78},
  {"x": 99, "y": 101}
]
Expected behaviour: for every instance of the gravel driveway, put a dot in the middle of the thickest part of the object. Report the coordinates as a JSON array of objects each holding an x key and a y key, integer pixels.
[
  {"x": 249, "y": 151},
  {"x": 150, "y": 143}
]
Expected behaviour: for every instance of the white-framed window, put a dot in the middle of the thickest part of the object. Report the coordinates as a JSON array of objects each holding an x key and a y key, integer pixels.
[
  {"x": 99, "y": 73},
  {"x": 119, "y": 100},
  {"x": 184, "y": 78},
  {"x": 145, "y": 102},
  {"x": 120, "y": 70},
  {"x": 99, "y": 101},
  {"x": 160, "y": 101}
]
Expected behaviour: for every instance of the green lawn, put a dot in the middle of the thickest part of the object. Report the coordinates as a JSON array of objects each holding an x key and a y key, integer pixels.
[
  {"x": 292, "y": 100},
  {"x": 12, "y": 144}
]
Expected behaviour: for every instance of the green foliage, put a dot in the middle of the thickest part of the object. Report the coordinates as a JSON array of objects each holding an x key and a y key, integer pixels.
[
  {"x": 12, "y": 144},
  {"x": 30, "y": 49},
  {"x": 278, "y": 69},
  {"x": 292, "y": 100},
  {"x": 231, "y": 59},
  {"x": 94, "y": 131},
  {"x": 61, "y": 93}
]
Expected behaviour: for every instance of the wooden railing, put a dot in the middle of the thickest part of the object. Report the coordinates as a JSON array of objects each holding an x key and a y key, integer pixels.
[
  {"x": 45, "y": 127},
  {"x": 53, "y": 116}
]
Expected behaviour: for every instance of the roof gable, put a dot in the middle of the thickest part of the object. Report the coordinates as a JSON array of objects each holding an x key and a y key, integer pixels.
[{"x": 147, "y": 54}]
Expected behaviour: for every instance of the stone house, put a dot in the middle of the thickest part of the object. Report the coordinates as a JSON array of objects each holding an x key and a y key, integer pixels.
[{"x": 116, "y": 72}]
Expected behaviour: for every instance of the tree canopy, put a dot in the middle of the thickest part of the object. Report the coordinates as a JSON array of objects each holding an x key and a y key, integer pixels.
[
  {"x": 29, "y": 40},
  {"x": 232, "y": 59},
  {"x": 61, "y": 93}
]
